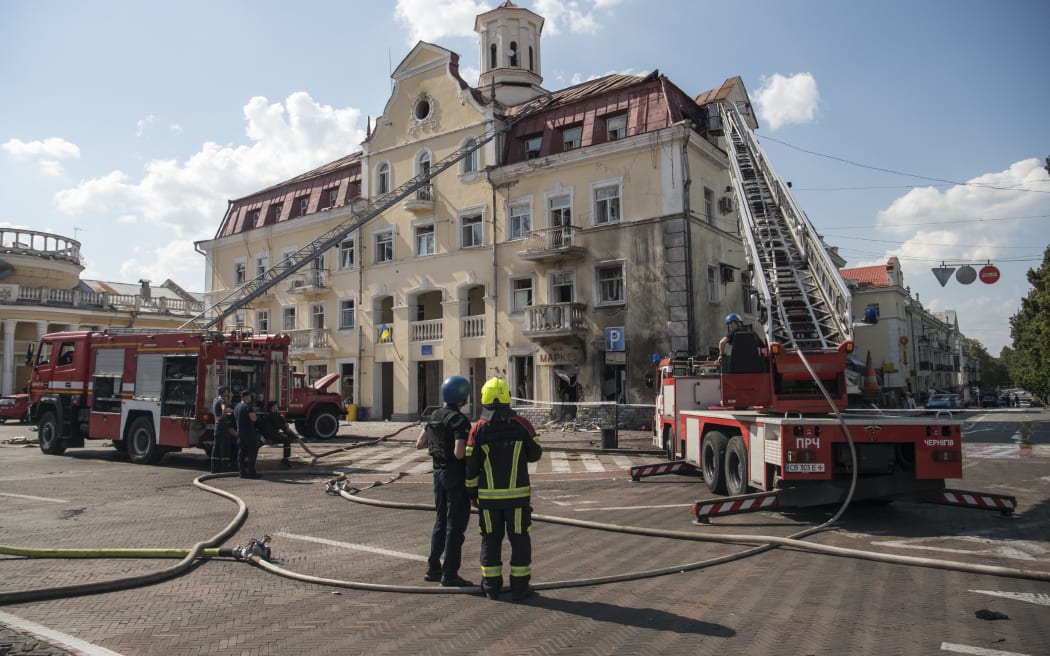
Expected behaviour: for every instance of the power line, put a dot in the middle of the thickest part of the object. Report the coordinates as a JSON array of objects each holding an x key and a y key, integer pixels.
[
  {"x": 925, "y": 223},
  {"x": 910, "y": 175}
]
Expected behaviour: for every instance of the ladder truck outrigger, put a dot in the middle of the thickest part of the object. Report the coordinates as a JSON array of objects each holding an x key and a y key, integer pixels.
[{"x": 768, "y": 424}]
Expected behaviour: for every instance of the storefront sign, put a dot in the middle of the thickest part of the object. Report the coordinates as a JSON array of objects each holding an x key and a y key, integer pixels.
[{"x": 555, "y": 356}]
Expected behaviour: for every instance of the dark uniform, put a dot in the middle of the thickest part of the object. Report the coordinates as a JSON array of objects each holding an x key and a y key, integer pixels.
[
  {"x": 450, "y": 500},
  {"x": 225, "y": 437},
  {"x": 499, "y": 448},
  {"x": 247, "y": 438},
  {"x": 275, "y": 429}
]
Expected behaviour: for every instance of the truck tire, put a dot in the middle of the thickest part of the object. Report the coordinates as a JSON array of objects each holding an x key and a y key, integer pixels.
[
  {"x": 324, "y": 424},
  {"x": 303, "y": 428},
  {"x": 142, "y": 442},
  {"x": 48, "y": 435},
  {"x": 713, "y": 452},
  {"x": 670, "y": 445},
  {"x": 736, "y": 467}
]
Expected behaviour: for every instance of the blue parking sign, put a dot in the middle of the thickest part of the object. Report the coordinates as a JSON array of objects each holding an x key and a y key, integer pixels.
[{"x": 615, "y": 339}]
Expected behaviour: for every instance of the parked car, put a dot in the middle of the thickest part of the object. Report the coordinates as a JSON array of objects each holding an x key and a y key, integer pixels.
[
  {"x": 14, "y": 406},
  {"x": 990, "y": 400},
  {"x": 944, "y": 402}
]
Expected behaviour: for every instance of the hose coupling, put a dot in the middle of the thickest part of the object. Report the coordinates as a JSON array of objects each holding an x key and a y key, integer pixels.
[{"x": 260, "y": 548}]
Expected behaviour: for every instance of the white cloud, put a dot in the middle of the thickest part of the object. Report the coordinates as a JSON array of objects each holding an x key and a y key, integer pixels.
[
  {"x": 470, "y": 75},
  {"x": 577, "y": 16},
  {"x": 54, "y": 148},
  {"x": 143, "y": 123},
  {"x": 50, "y": 167},
  {"x": 179, "y": 202},
  {"x": 783, "y": 100},
  {"x": 175, "y": 128},
  {"x": 578, "y": 78},
  {"x": 431, "y": 20}
]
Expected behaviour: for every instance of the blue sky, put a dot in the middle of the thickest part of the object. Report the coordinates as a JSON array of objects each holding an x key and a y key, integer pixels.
[{"x": 916, "y": 129}]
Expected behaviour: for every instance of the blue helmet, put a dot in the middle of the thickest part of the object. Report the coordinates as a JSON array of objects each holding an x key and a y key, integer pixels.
[
  {"x": 733, "y": 317},
  {"x": 455, "y": 390}
]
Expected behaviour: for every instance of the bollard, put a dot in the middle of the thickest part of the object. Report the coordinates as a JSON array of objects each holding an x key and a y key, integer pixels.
[{"x": 609, "y": 438}]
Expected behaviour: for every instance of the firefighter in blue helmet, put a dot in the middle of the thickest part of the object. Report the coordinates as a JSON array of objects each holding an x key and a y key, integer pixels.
[
  {"x": 445, "y": 436},
  {"x": 498, "y": 482}
]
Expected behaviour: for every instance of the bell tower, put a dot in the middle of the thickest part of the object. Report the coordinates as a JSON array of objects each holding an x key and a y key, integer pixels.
[{"x": 509, "y": 37}]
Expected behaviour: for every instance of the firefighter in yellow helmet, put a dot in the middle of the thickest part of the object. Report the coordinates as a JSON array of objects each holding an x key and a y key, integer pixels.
[{"x": 498, "y": 482}]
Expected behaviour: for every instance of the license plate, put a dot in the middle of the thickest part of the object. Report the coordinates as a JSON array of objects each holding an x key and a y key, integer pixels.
[{"x": 805, "y": 467}]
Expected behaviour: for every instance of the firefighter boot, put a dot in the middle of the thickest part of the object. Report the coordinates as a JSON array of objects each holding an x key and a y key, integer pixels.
[
  {"x": 520, "y": 588},
  {"x": 491, "y": 585},
  {"x": 285, "y": 464}
]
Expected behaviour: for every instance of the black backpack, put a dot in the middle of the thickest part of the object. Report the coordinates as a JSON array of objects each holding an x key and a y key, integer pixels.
[{"x": 440, "y": 435}]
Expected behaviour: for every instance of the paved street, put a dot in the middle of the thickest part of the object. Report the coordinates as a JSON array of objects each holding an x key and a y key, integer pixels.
[{"x": 782, "y": 601}]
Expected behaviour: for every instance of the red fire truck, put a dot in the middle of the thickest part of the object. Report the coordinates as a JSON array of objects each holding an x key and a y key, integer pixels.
[
  {"x": 315, "y": 411},
  {"x": 149, "y": 392},
  {"x": 772, "y": 414}
]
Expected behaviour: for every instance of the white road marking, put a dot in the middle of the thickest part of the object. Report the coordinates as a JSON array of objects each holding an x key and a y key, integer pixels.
[
  {"x": 559, "y": 463},
  {"x": 1015, "y": 549},
  {"x": 356, "y": 547},
  {"x": 603, "y": 508},
  {"x": 1031, "y": 597},
  {"x": 591, "y": 462},
  {"x": 26, "y": 496},
  {"x": 623, "y": 462},
  {"x": 977, "y": 651},
  {"x": 67, "y": 642}
]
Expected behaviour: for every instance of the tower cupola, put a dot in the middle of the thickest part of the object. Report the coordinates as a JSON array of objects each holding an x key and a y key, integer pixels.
[{"x": 509, "y": 38}]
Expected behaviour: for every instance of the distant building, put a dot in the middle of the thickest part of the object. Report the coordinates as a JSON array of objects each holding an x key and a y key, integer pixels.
[{"x": 41, "y": 292}]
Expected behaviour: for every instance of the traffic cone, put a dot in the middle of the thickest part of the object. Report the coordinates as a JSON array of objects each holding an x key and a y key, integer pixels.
[{"x": 871, "y": 381}]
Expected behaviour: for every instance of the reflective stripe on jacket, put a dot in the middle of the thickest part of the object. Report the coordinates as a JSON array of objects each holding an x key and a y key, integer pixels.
[{"x": 500, "y": 446}]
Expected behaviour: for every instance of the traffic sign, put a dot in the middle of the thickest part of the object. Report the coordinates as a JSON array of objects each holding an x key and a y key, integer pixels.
[
  {"x": 966, "y": 274},
  {"x": 989, "y": 274},
  {"x": 943, "y": 273},
  {"x": 615, "y": 339}
]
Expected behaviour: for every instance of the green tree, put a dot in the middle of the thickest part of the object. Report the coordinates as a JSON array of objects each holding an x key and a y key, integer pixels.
[
  {"x": 993, "y": 371},
  {"x": 1030, "y": 328}
]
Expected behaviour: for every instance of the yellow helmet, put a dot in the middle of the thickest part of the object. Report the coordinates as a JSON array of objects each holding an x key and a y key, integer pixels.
[{"x": 495, "y": 389}]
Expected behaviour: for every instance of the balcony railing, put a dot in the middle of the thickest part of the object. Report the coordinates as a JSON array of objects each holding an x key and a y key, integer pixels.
[
  {"x": 308, "y": 339},
  {"x": 426, "y": 331},
  {"x": 474, "y": 326},
  {"x": 100, "y": 301},
  {"x": 552, "y": 243},
  {"x": 44, "y": 244},
  {"x": 311, "y": 280},
  {"x": 555, "y": 320},
  {"x": 421, "y": 201}
]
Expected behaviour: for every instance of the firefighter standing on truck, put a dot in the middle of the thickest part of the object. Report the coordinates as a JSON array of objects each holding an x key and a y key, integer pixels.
[
  {"x": 499, "y": 448},
  {"x": 445, "y": 438}
]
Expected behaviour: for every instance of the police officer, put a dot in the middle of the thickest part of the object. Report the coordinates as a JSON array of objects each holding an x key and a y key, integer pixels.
[
  {"x": 247, "y": 438},
  {"x": 445, "y": 435},
  {"x": 498, "y": 481}
]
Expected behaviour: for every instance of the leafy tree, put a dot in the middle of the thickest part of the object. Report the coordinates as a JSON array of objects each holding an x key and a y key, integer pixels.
[
  {"x": 993, "y": 371},
  {"x": 1030, "y": 329}
]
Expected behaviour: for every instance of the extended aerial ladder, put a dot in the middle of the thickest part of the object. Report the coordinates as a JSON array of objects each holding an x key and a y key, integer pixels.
[
  {"x": 807, "y": 305},
  {"x": 362, "y": 212}
]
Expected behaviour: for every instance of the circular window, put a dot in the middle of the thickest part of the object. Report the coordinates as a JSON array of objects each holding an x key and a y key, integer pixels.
[{"x": 422, "y": 109}]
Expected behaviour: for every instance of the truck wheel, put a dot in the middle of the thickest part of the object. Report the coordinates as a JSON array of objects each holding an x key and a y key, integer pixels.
[
  {"x": 142, "y": 442},
  {"x": 48, "y": 435},
  {"x": 120, "y": 445},
  {"x": 303, "y": 428},
  {"x": 713, "y": 460},
  {"x": 670, "y": 445},
  {"x": 324, "y": 424},
  {"x": 736, "y": 467}
]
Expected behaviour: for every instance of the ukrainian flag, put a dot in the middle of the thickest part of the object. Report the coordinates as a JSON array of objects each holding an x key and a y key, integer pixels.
[{"x": 384, "y": 333}]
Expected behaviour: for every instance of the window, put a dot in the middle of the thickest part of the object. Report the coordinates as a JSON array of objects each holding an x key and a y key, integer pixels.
[
  {"x": 713, "y": 294},
  {"x": 288, "y": 318},
  {"x": 346, "y": 313},
  {"x": 607, "y": 204},
  {"x": 253, "y": 218},
  {"x": 331, "y": 196},
  {"x": 422, "y": 108},
  {"x": 424, "y": 239},
  {"x": 471, "y": 231},
  {"x": 384, "y": 246},
  {"x": 571, "y": 138},
  {"x": 317, "y": 316},
  {"x": 513, "y": 54},
  {"x": 492, "y": 56},
  {"x": 532, "y": 146},
  {"x": 521, "y": 294},
  {"x": 709, "y": 204},
  {"x": 240, "y": 272},
  {"x": 383, "y": 179},
  {"x": 275, "y": 213},
  {"x": 425, "y": 192},
  {"x": 520, "y": 221},
  {"x": 559, "y": 220},
  {"x": 563, "y": 287},
  {"x": 262, "y": 263},
  {"x": 262, "y": 322},
  {"x": 746, "y": 291},
  {"x": 616, "y": 128},
  {"x": 240, "y": 319},
  {"x": 532, "y": 63},
  {"x": 610, "y": 284},
  {"x": 303, "y": 205},
  {"x": 470, "y": 162},
  {"x": 346, "y": 254}
]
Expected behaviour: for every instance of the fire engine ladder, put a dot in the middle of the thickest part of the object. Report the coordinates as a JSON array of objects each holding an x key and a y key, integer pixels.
[
  {"x": 363, "y": 211},
  {"x": 808, "y": 304}
]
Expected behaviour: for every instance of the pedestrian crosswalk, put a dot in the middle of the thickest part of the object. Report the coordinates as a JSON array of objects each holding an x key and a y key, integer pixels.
[{"x": 407, "y": 459}]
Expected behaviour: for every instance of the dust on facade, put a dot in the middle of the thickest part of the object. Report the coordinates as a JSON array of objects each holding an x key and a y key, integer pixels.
[{"x": 598, "y": 231}]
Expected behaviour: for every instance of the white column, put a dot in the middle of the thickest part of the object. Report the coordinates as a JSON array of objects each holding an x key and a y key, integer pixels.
[{"x": 7, "y": 367}]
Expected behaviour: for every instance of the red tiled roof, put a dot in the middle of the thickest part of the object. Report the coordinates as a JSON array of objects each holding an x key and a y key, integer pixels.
[{"x": 869, "y": 276}]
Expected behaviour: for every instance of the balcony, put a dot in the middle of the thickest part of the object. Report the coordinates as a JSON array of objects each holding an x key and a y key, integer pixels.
[
  {"x": 552, "y": 244},
  {"x": 474, "y": 326},
  {"x": 422, "y": 202},
  {"x": 310, "y": 342},
  {"x": 544, "y": 322},
  {"x": 425, "y": 331},
  {"x": 313, "y": 281}
]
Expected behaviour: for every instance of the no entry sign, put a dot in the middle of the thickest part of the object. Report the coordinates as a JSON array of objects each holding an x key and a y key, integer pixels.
[{"x": 989, "y": 274}]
